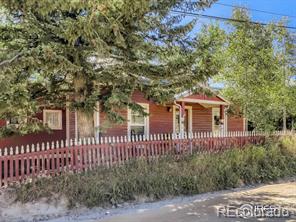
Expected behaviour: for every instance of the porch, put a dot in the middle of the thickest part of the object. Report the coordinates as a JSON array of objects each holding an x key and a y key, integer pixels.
[{"x": 187, "y": 114}]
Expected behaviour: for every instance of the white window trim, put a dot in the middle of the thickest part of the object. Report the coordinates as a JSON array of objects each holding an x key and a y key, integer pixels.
[
  {"x": 146, "y": 120},
  {"x": 213, "y": 122},
  {"x": 60, "y": 127},
  {"x": 189, "y": 108},
  {"x": 12, "y": 124}
]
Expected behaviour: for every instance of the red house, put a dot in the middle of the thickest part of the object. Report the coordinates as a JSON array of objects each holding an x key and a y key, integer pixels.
[{"x": 188, "y": 113}]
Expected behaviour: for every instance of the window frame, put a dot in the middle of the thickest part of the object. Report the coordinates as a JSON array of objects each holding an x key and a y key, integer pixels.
[
  {"x": 60, "y": 113},
  {"x": 146, "y": 120},
  {"x": 8, "y": 123}
]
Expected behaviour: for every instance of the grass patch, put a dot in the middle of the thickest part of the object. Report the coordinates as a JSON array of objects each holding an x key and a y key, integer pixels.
[{"x": 190, "y": 175}]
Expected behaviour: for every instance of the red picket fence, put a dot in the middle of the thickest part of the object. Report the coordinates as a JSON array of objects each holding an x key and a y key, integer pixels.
[{"x": 22, "y": 163}]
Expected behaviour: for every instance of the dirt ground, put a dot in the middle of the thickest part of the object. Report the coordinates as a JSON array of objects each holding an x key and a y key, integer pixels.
[{"x": 212, "y": 207}]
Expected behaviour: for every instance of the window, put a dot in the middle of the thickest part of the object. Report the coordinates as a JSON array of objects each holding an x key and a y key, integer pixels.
[
  {"x": 53, "y": 119},
  {"x": 13, "y": 121},
  {"x": 138, "y": 123}
]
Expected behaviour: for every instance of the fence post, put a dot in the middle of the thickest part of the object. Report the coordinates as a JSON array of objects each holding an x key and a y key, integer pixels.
[{"x": 5, "y": 167}]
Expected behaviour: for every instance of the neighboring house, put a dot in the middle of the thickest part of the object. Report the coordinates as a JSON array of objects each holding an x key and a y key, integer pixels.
[{"x": 188, "y": 113}]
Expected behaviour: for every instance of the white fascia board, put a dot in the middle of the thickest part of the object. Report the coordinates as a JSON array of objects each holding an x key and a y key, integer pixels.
[{"x": 203, "y": 101}]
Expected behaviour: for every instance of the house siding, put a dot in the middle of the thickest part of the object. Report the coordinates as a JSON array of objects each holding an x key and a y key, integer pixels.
[
  {"x": 72, "y": 124},
  {"x": 35, "y": 137},
  {"x": 111, "y": 129},
  {"x": 160, "y": 119},
  {"x": 235, "y": 123},
  {"x": 201, "y": 118}
]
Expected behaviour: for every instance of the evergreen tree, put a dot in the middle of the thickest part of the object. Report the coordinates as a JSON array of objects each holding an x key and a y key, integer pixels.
[{"x": 71, "y": 52}]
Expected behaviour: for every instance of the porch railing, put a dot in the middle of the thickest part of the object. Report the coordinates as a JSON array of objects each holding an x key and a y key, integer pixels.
[{"x": 21, "y": 163}]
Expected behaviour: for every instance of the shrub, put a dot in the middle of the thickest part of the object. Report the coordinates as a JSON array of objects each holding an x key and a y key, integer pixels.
[{"x": 169, "y": 177}]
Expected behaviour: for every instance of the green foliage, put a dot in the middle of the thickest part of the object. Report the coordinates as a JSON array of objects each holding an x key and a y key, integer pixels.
[
  {"x": 54, "y": 52},
  {"x": 169, "y": 177},
  {"x": 258, "y": 69}
]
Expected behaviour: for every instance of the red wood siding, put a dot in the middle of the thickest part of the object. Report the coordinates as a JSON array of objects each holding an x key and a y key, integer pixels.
[
  {"x": 2, "y": 122},
  {"x": 37, "y": 137},
  {"x": 72, "y": 126},
  {"x": 201, "y": 118},
  {"x": 160, "y": 119},
  {"x": 235, "y": 123},
  {"x": 111, "y": 129}
]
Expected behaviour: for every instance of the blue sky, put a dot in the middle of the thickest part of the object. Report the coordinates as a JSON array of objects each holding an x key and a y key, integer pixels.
[
  {"x": 278, "y": 6},
  {"x": 287, "y": 7}
]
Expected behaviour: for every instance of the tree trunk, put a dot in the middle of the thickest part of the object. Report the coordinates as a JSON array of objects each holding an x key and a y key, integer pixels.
[
  {"x": 85, "y": 124},
  {"x": 85, "y": 120}
]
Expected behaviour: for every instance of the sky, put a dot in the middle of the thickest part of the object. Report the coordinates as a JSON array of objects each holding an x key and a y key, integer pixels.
[
  {"x": 287, "y": 7},
  {"x": 279, "y": 6}
]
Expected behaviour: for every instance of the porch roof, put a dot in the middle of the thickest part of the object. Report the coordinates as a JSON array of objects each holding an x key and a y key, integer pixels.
[{"x": 191, "y": 97}]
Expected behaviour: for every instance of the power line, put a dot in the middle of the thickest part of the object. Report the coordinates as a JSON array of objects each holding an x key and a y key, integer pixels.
[
  {"x": 255, "y": 10},
  {"x": 229, "y": 19}
]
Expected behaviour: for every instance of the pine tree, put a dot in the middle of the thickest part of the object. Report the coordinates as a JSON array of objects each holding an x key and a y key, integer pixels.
[{"x": 71, "y": 52}]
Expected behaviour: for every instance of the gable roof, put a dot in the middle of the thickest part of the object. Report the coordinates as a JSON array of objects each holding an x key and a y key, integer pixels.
[{"x": 191, "y": 96}]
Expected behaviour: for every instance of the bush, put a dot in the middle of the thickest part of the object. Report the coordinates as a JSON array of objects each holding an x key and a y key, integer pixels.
[{"x": 169, "y": 177}]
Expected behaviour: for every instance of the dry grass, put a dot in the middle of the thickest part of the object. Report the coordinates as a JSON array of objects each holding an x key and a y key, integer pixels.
[{"x": 190, "y": 175}]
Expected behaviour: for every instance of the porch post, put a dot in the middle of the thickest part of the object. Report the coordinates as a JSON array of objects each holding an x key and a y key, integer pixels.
[
  {"x": 222, "y": 118},
  {"x": 182, "y": 115},
  {"x": 225, "y": 119}
]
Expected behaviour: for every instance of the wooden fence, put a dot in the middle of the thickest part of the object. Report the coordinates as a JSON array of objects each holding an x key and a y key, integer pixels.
[{"x": 19, "y": 164}]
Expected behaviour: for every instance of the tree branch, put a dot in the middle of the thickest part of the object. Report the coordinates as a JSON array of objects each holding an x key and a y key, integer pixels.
[{"x": 5, "y": 62}]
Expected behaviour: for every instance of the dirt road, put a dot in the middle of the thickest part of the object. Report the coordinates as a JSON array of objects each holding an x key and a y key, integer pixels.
[
  {"x": 215, "y": 208},
  {"x": 220, "y": 206}
]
